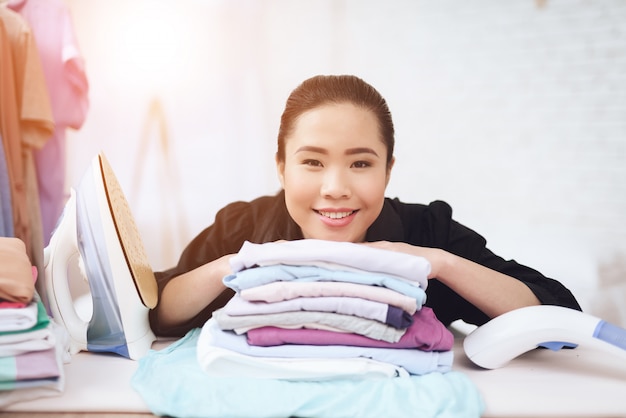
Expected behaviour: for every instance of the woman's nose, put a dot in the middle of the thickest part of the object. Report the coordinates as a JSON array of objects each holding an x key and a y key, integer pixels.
[{"x": 335, "y": 185}]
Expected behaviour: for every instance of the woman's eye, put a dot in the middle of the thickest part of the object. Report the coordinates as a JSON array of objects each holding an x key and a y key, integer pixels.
[
  {"x": 361, "y": 164},
  {"x": 312, "y": 163}
]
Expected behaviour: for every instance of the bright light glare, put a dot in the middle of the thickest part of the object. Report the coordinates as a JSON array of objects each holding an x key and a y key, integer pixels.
[{"x": 154, "y": 43}]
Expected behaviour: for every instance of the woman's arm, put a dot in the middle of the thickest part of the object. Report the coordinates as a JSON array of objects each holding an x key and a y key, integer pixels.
[
  {"x": 184, "y": 296},
  {"x": 492, "y": 292}
]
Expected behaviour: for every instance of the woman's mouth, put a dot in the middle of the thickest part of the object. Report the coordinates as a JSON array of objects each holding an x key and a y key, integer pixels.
[
  {"x": 336, "y": 215},
  {"x": 336, "y": 218}
]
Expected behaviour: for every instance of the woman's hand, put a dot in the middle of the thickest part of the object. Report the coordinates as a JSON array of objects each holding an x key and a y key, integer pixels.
[
  {"x": 435, "y": 256},
  {"x": 186, "y": 295},
  {"x": 492, "y": 292}
]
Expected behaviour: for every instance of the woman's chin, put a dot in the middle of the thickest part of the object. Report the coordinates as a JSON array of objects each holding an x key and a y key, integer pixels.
[{"x": 339, "y": 236}]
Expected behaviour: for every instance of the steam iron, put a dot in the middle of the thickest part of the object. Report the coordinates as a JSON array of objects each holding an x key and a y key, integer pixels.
[
  {"x": 96, "y": 241},
  {"x": 503, "y": 338}
]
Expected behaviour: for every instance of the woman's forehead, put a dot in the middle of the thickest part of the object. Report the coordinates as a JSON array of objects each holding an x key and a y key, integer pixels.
[{"x": 343, "y": 120}]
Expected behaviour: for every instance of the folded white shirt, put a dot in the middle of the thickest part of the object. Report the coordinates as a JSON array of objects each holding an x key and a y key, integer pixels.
[
  {"x": 349, "y": 254},
  {"x": 222, "y": 362}
]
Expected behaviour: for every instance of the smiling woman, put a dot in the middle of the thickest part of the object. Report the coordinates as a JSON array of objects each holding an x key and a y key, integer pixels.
[
  {"x": 519, "y": 126},
  {"x": 334, "y": 172},
  {"x": 334, "y": 160}
]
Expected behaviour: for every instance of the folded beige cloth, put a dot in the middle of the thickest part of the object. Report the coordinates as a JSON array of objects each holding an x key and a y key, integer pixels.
[{"x": 16, "y": 274}]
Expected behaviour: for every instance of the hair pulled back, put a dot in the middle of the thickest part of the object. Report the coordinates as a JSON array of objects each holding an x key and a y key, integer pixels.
[{"x": 335, "y": 89}]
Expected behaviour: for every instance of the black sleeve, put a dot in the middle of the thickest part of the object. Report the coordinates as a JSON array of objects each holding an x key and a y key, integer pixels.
[
  {"x": 440, "y": 230},
  {"x": 231, "y": 228},
  {"x": 261, "y": 220}
]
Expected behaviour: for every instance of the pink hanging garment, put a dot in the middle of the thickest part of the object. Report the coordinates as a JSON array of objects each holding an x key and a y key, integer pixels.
[{"x": 65, "y": 76}]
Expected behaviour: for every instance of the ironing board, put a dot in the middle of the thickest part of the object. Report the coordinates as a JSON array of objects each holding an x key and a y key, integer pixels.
[{"x": 567, "y": 383}]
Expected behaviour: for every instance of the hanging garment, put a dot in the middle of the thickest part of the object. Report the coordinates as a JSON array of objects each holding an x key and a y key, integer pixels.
[
  {"x": 27, "y": 124},
  {"x": 67, "y": 85},
  {"x": 6, "y": 211},
  {"x": 11, "y": 137}
]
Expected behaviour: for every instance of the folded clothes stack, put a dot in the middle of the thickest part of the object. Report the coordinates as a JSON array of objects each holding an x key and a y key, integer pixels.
[
  {"x": 31, "y": 349},
  {"x": 315, "y": 329},
  {"x": 319, "y": 310}
]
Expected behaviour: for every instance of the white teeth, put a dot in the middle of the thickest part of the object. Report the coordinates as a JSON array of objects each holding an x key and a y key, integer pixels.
[{"x": 335, "y": 215}]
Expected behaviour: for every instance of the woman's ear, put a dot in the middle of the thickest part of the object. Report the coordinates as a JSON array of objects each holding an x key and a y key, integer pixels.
[
  {"x": 280, "y": 170},
  {"x": 389, "y": 167}
]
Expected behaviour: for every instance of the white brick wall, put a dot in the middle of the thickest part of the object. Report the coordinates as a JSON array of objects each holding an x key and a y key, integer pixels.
[
  {"x": 528, "y": 106},
  {"x": 513, "y": 112}
]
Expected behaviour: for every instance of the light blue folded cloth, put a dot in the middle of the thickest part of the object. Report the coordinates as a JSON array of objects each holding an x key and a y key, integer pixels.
[
  {"x": 258, "y": 276},
  {"x": 171, "y": 383}
]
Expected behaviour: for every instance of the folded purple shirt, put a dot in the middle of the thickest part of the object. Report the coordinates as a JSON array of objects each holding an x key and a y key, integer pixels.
[{"x": 426, "y": 333}]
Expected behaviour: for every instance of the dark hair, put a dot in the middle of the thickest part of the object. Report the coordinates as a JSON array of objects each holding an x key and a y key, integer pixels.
[{"x": 324, "y": 89}]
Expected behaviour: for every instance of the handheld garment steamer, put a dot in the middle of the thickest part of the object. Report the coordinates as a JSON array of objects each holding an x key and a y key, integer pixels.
[
  {"x": 507, "y": 336},
  {"x": 96, "y": 240}
]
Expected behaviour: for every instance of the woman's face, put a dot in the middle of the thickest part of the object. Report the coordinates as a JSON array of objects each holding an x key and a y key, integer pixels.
[{"x": 335, "y": 172}]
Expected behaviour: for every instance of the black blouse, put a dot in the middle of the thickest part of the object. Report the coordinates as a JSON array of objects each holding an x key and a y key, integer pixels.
[{"x": 266, "y": 219}]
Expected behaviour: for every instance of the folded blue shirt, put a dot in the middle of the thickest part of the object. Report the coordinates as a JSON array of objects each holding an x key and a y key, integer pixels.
[{"x": 258, "y": 276}]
